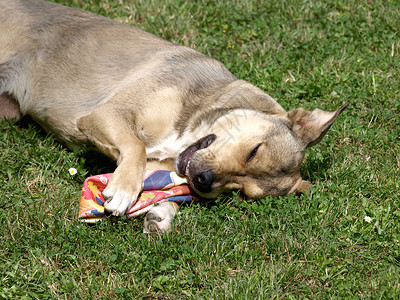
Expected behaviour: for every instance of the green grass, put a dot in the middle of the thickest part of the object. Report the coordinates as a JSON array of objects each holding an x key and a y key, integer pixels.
[{"x": 303, "y": 53}]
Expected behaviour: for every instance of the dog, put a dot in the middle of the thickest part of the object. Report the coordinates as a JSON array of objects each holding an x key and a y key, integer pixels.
[{"x": 149, "y": 103}]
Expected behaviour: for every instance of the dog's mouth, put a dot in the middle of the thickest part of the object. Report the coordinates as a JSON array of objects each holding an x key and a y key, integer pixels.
[{"x": 183, "y": 161}]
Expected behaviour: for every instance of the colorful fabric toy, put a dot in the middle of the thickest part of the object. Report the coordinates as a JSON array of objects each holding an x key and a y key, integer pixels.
[{"x": 159, "y": 186}]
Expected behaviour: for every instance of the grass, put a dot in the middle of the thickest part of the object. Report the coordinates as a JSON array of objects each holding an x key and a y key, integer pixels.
[{"x": 303, "y": 53}]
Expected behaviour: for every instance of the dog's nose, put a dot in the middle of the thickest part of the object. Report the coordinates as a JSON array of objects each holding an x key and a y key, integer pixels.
[{"x": 203, "y": 180}]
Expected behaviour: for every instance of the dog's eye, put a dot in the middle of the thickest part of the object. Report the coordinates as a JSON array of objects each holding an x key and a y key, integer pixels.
[{"x": 253, "y": 153}]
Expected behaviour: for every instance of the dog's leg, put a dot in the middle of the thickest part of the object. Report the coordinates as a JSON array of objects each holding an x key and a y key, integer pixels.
[
  {"x": 9, "y": 108},
  {"x": 159, "y": 218},
  {"x": 112, "y": 133}
]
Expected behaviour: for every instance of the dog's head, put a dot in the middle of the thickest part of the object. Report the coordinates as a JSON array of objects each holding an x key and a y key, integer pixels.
[{"x": 256, "y": 153}]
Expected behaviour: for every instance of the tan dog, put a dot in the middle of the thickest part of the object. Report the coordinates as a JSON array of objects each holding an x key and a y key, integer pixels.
[{"x": 148, "y": 103}]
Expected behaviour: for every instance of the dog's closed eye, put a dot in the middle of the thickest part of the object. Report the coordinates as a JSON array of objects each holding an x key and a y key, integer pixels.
[{"x": 253, "y": 153}]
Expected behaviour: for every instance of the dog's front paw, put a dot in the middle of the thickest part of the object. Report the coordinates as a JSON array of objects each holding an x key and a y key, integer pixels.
[
  {"x": 119, "y": 202},
  {"x": 159, "y": 218},
  {"x": 118, "y": 198}
]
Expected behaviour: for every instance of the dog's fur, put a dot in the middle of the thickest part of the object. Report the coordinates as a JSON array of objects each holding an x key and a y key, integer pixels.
[{"x": 148, "y": 103}]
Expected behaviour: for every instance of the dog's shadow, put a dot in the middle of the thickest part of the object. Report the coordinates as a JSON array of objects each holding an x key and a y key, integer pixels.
[
  {"x": 94, "y": 161},
  {"x": 98, "y": 163},
  {"x": 315, "y": 166}
]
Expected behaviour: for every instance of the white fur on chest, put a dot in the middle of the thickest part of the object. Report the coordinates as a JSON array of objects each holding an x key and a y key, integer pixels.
[{"x": 169, "y": 147}]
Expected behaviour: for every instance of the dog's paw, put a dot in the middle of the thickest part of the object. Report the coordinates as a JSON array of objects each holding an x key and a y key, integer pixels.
[
  {"x": 119, "y": 196},
  {"x": 119, "y": 202},
  {"x": 159, "y": 218}
]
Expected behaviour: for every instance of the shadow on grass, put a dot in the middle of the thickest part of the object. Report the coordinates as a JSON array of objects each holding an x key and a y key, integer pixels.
[
  {"x": 316, "y": 166},
  {"x": 98, "y": 163},
  {"x": 94, "y": 161}
]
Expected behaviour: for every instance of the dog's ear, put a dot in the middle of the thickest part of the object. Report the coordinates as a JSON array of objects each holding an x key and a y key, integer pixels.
[{"x": 311, "y": 126}]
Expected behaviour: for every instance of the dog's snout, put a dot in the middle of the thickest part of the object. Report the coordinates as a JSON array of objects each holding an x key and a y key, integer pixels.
[{"x": 203, "y": 180}]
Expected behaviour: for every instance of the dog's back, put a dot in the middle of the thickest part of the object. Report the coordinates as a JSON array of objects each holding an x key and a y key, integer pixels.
[
  {"x": 46, "y": 47},
  {"x": 57, "y": 59}
]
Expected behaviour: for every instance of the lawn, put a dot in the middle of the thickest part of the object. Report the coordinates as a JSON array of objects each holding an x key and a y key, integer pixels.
[{"x": 303, "y": 53}]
